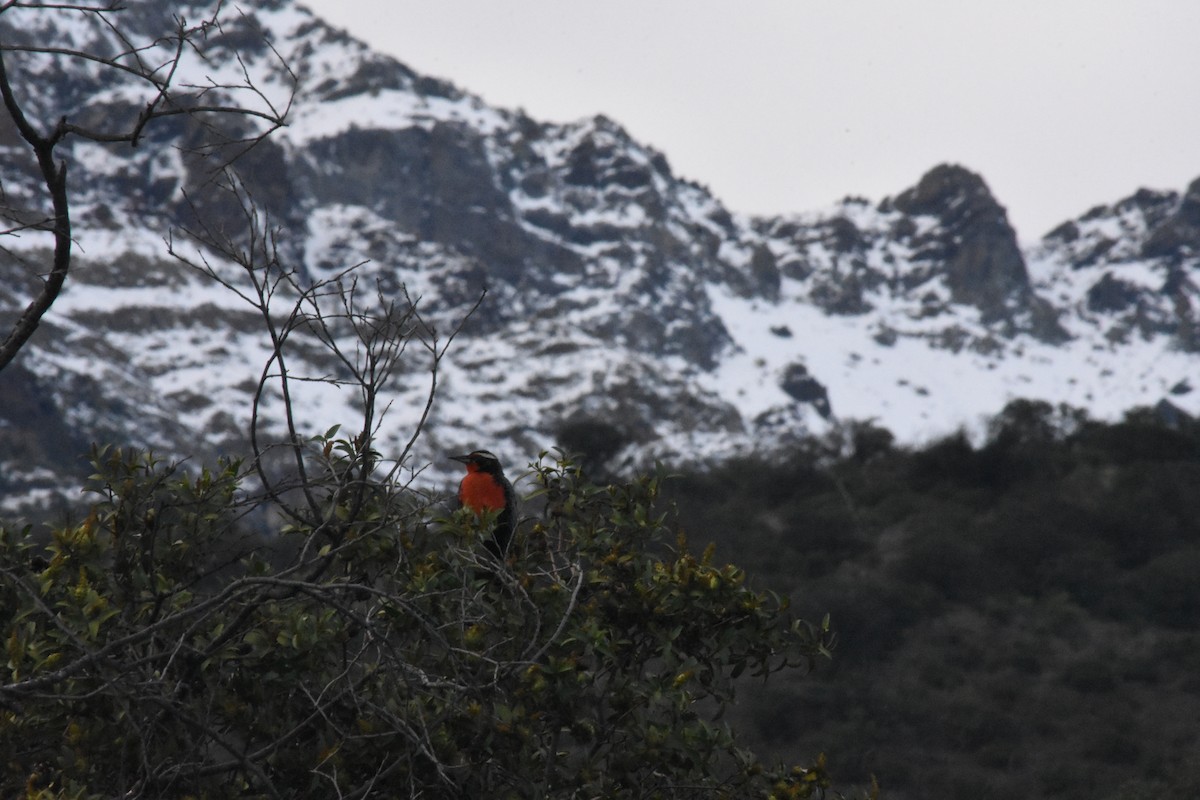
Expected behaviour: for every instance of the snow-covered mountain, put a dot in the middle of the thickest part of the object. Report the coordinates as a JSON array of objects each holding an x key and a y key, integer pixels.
[{"x": 625, "y": 306}]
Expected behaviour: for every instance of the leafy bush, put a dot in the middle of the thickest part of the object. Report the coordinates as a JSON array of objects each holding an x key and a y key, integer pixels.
[{"x": 159, "y": 649}]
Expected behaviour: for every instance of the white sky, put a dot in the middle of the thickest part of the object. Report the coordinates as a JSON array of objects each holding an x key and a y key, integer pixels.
[{"x": 781, "y": 106}]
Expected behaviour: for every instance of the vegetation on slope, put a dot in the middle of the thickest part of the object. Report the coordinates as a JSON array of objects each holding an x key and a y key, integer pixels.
[{"x": 1016, "y": 620}]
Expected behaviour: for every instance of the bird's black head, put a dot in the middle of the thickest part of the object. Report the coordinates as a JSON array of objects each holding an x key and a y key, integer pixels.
[{"x": 480, "y": 461}]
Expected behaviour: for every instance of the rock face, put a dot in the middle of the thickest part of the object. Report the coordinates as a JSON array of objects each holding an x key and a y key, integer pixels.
[
  {"x": 973, "y": 243},
  {"x": 626, "y": 307},
  {"x": 1177, "y": 236},
  {"x": 806, "y": 389},
  {"x": 1133, "y": 266},
  {"x": 34, "y": 435}
]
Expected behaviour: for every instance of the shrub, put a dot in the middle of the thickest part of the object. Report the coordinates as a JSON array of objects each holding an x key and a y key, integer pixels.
[{"x": 156, "y": 649}]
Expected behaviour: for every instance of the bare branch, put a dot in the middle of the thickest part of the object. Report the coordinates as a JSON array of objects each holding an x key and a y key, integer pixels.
[
  {"x": 160, "y": 79},
  {"x": 54, "y": 177}
]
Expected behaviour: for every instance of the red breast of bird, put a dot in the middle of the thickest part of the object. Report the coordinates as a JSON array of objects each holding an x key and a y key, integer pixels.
[{"x": 480, "y": 492}]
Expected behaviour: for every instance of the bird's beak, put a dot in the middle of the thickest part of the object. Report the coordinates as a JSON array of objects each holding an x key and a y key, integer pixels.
[{"x": 462, "y": 459}]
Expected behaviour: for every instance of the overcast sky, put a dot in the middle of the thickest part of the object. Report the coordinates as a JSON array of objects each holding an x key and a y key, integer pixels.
[{"x": 788, "y": 105}]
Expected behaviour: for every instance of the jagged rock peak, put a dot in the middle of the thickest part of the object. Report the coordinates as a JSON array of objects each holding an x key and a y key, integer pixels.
[
  {"x": 1135, "y": 262},
  {"x": 951, "y": 192},
  {"x": 603, "y": 153},
  {"x": 1179, "y": 234},
  {"x": 1150, "y": 223},
  {"x": 982, "y": 260}
]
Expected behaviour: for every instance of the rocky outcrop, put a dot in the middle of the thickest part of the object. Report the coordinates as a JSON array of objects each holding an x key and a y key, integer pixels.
[
  {"x": 1177, "y": 237},
  {"x": 976, "y": 248},
  {"x": 1139, "y": 260},
  {"x": 973, "y": 242},
  {"x": 33, "y": 431},
  {"x": 804, "y": 388}
]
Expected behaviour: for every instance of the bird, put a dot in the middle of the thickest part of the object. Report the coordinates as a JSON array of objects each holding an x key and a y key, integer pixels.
[{"x": 484, "y": 488}]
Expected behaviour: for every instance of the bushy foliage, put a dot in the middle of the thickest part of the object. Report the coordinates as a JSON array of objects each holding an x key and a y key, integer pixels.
[
  {"x": 990, "y": 598},
  {"x": 162, "y": 647}
]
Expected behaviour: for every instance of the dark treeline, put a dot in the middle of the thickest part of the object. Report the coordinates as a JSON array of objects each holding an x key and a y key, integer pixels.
[{"x": 1016, "y": 619}]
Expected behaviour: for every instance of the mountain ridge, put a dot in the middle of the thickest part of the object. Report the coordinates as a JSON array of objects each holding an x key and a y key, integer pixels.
[{"x": 621, "y": 298}]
